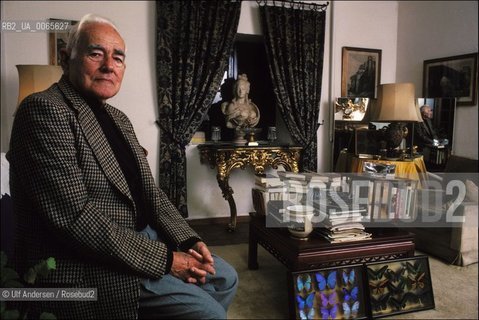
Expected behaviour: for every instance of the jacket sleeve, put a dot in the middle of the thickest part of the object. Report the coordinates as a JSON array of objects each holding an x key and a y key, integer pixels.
[
  {"x": 44, "y": 153},
  {"x": 420, "y": 134}
]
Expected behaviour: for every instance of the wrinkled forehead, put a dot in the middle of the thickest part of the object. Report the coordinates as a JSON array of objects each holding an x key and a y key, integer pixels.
[{"x": 100, "y": 35}]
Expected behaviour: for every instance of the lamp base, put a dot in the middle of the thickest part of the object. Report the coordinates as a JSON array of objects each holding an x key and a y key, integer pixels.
[{"x": 391, "y": 139}]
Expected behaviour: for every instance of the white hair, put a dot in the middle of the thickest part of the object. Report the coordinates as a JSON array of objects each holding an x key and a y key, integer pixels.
[{"x": 75, "y": 31}]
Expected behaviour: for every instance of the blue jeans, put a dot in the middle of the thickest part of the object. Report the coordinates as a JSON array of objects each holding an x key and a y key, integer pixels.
[{"x": 171, "y": 297}]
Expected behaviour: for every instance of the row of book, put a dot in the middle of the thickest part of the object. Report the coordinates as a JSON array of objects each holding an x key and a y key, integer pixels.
[
  {"x": 296, "y": 187},
  {"x": 389, "y": 199}
]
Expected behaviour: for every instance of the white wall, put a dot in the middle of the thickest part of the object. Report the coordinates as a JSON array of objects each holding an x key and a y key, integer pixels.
[
  {"x": 438, "y": 29},
  {"x": 134, "y": 19},
  {"x": 365, "y": 24}
]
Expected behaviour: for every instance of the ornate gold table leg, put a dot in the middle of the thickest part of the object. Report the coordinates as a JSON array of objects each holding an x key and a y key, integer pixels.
[
  {"x": 224, "y": 165},
  {"x": 228, "y": 195}
]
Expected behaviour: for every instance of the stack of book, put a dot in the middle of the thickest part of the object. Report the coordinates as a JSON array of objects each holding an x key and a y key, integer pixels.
[
  {"x": 267, "y": 187},
  {"x": 296, "y": 186},
  {"x": 338, "y": 219}
]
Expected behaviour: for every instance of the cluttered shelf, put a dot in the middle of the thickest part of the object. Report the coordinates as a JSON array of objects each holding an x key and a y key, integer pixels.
[{"x": 336, "y": 207}]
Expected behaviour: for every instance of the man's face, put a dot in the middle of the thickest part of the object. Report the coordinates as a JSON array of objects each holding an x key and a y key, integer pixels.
[
  {"x": 427, "y": 113},
  {"x": 98, "y": 67}
]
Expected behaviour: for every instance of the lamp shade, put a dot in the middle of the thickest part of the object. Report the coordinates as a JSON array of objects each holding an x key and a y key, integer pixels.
[
  {"x": 396, "y": 102},
  {"x": 34, "y": 78}
]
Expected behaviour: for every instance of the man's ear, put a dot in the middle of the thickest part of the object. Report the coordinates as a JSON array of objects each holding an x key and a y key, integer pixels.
[{"x": 64, "y": 59}]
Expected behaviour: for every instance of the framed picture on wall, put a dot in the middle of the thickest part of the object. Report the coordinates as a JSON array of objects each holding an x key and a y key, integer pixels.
[
  {"x": 452, "y": 77},
  {"x": 361, "y": 72},
  {"x": 58, "y": 38}
]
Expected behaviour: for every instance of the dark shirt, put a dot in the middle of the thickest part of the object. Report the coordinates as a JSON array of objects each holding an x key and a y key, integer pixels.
[{"x": 126, "y": 159}]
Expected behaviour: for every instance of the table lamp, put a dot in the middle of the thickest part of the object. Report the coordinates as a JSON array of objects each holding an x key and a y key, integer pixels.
[
  {"x": 35, "y": 78},
  {"x": 396, "y": 104}
]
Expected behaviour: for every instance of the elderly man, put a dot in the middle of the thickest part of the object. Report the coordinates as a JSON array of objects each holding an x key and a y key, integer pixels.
[
  {"x": 424, "y": 132},
  {"x": 83, "y": 193}
]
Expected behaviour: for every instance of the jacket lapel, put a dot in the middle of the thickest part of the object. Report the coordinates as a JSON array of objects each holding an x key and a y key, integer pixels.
[{"x": 96, "y": 138}]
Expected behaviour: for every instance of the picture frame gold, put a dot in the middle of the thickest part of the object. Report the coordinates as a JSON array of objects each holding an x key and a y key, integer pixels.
[
  {"x": 58, "y": 40},
  {"x": 452, "y": 77},
  {"x": 361, "y": 72}
]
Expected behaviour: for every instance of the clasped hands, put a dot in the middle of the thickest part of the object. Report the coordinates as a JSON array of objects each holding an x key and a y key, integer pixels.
[{"x": 194, "y": 265}]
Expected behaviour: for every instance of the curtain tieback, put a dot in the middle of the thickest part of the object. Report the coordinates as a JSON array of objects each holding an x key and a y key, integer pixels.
[
  {"x": 309, "y": 143},
  {"x": 181, "y": 144}
]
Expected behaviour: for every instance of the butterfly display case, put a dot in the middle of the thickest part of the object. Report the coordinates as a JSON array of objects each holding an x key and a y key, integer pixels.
[
  {"x": 363, "y": 291},
  {"x": 399, "y": 286},
  {"x": 333, "y": 293}
]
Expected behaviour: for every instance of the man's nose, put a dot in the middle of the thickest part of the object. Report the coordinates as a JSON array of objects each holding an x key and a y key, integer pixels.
[{"x": 107, "y": 64}]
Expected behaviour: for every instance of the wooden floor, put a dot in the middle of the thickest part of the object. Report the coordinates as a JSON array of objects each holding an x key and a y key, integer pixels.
[{"x": 216, "y": 234}]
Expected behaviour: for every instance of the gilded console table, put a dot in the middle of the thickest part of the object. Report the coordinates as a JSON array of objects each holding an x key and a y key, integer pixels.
[{"x": 226, "y": 157}]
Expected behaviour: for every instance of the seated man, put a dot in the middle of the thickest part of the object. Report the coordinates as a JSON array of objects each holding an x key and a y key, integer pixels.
[
  {"x": 83, "y": 193},
  {"x": 424, "y": 132}
]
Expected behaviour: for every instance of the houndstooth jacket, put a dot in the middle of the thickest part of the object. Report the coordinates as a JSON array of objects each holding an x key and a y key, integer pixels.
[{"x": 72, "y": 202}]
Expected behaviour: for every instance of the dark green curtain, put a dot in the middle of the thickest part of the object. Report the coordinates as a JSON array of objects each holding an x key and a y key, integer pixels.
[
  {"x": 194, "y": 41},
  {"x": 294, "y": 40}
]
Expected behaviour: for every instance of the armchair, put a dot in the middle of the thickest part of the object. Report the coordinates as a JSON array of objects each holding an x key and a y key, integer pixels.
[{"x": 457, "y": 244}]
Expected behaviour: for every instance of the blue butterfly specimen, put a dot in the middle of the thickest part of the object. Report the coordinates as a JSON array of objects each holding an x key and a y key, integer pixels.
[
  {"x": 329, "y": 313},
  {"x": 330, "y": 281},
  {"x": 376, "y": 274},
  {"x": 350, "y": 295},
  {"x": 305, "y": 302},
  {"x": 304, "y": 282},
  {"x": 350, "y": 311},
  {"x": 332, "y": 299},
  {"x": 348, "y": 278},
  {"x": 305, "y": 316}
]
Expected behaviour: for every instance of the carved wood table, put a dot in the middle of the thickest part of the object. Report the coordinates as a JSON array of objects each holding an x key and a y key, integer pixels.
[
  {"x": 226, "y": 157},
  {"x": 317, "y": 253}
]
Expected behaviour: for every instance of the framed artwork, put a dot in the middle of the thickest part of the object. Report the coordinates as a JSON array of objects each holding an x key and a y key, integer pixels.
[
  {"x": 361, "y": 72},
  {"x": 58, "y": 40},
  {"x": 331, "y": 293},
  {"x": 399, "y": 286},
  {"x": 350, "y": 109},
  {"x": 452, "y": 77}
]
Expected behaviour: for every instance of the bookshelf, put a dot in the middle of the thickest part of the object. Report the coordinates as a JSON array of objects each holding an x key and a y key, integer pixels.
[{"x": 389, "y": 200}]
